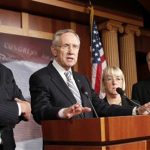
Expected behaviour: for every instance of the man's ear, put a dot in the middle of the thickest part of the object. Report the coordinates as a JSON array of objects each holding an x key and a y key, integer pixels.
[{"x": 54, "y": 51}]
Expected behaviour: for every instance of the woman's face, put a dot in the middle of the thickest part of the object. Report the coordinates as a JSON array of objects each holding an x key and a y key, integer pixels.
[{"x": 111, "y": 82}]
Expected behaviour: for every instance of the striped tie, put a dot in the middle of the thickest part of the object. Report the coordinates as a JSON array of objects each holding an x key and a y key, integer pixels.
[{"x": 72, "y": 87}]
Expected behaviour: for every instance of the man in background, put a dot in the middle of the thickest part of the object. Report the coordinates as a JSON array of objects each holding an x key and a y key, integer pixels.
[
  {"x": 141, "y": 89},
  {"x": 13, "y": 108}
]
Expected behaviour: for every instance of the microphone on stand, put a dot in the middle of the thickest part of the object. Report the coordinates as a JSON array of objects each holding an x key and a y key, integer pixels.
[
  {"x": 121, "y": 92},
  {"x": 87, "y": 95}
]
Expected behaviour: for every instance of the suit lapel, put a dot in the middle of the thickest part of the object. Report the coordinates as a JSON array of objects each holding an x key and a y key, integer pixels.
[
  {"x": 61, "y": 85},
  {"x": 78, "y": 82},
  {"x": 63, "y": 88},
  {"x": 80, "y": 87},
  {"x": 85, "y": 101}
]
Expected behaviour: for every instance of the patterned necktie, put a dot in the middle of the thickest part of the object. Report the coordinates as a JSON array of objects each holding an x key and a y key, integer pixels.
[{"x": 72, "y": 87}]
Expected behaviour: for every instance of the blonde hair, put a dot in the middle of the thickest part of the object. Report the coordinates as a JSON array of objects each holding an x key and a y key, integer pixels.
[{"x": 116, "y": 71}]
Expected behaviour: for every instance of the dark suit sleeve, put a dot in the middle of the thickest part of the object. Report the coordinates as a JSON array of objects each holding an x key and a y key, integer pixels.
[
  {"x": 8, "y": 114},
  {"x": 141, "y": 91},
  {"x": 17, "y": 93},
  {"x": 135, "y": 93},
  {"x": 9, "y": 91},
  {"x": 42, "y": 100}
]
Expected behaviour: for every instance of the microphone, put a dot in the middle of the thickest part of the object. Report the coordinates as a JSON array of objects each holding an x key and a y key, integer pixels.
[
  {"x": 87, "y": 95},
  {"x": 121, "y": 92}
]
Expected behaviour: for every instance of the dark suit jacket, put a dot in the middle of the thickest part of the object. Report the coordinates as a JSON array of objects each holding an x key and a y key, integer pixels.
[
  {"x": 49, "y": 94},
  {"x": 8, "y": 107},
  {"x": 141, "y": 91}
]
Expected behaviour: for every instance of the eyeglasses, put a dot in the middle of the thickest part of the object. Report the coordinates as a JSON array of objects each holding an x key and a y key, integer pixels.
[
  {"x": 111, "y": 78},
  {"x": 69, "y": 46}
]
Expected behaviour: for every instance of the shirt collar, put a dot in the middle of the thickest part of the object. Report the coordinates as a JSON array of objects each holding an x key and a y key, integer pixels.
[{"x": 60, "y": 69}]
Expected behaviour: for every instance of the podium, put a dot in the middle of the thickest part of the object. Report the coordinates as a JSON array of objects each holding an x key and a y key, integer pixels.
[{"x": 108, "y": 133}]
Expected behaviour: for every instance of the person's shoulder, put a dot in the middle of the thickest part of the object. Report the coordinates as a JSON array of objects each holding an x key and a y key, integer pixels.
[
  {"x": 39, "y": 75},
  {"x": 4, "y": 68},
  {"x": 142, "y": 83},
  {"x": 79, "y": 75},
  {"x": 40, "y": 71},
  {"x": 43, "y": 72}
]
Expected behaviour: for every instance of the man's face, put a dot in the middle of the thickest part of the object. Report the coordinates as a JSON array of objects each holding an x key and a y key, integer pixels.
[{"x": 67, "y": 52}]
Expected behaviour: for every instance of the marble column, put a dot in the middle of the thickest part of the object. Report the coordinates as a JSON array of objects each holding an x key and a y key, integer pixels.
[
  {"x": 109, "y": 30},
  {"x": 127, "y": 56}
]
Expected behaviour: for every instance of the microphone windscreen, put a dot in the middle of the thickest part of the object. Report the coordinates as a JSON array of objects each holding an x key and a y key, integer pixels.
[{"x": 120, "y": 91}]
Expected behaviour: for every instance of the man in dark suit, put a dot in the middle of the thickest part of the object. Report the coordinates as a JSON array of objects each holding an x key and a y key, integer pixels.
[
  {"x": 141, "y": 89},
  {"x": 12, "y": 108},
  {"x": 53, "y": 96}
]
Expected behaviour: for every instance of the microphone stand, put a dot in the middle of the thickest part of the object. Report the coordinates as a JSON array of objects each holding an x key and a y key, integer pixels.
[
  {"x": 86, "y": 94},
  {"x": 121, "y": 92}
]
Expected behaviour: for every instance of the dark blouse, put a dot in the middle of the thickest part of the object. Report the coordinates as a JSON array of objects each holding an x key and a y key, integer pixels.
[{"x": 124, "y": 101}]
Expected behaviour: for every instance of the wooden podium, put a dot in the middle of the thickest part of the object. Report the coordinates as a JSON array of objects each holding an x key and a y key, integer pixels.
[{"x": 110, "y": 133}]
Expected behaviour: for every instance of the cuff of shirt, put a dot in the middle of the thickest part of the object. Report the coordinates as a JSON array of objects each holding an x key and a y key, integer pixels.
[
  {"x": 19, "y": 109},
  {"x": 134, "y": 111},
  {"x": 61, "y": 113}
]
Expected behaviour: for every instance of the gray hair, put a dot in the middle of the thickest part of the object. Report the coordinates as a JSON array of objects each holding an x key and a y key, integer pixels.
[{"x": 56, "y": 38}]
